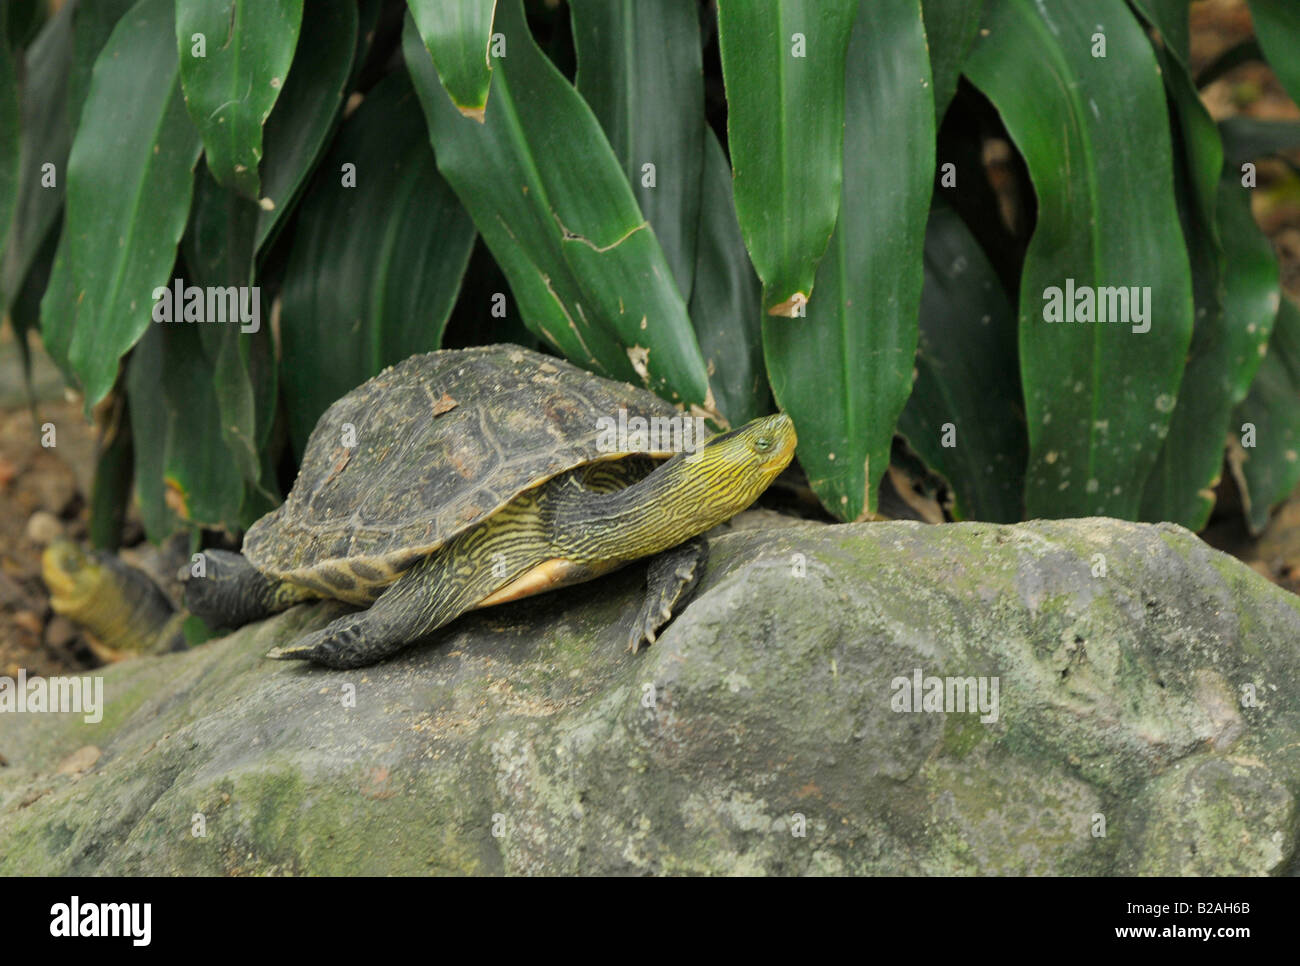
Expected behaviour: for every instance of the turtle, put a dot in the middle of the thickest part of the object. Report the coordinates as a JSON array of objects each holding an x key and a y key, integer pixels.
[
  {"x": 465, "y": 478},
  {"x": 125, "y": 612}
]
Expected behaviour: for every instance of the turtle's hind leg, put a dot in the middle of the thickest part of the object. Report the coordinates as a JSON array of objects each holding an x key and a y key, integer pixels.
[
  {"x": 232, "y": 592},
  {"x": 430, "y": 594},
  {"x": 461, "y": 576}
]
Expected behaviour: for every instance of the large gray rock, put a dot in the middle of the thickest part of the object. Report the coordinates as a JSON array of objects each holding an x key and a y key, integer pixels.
[{"x": 1148, "y": 722}]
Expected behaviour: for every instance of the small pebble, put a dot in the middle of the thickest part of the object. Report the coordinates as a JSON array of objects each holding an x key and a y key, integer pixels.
[{"x": 43, "y": 528}]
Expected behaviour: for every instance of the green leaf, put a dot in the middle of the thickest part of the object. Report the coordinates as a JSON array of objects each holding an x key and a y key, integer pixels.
[
  {"x": 45, "y": 140},
  {"x": 639, "y": 67},
  {"x": 218, "y": 248},
  {"x": 965, "y": 416},
  {"x": 10, "y": 144},
  {"x": 783, "y": 65},
  {"x": 726, "y": 303},
  {"x": 23, "y": 20},
  {"x": 130, "y": 174},
  {"x": 458, "y": 35},
  {"x": 1265, "y": 457},
  {"x": 92, "y": 25},
  {"x": 1249, "y": 138},
  {"x": 1180, "y": 487},
  {"x": 296, "y": 132},
  {"x": 950, "y": 29},
  {"x": 181, "y": 477},
  {"x": 551, "y": 201},
  {"x": 1277, "y": 28},
  {"x": 110, "y": 493},
  {"x": 25, "y": 308},
  {"x": 1098, "y": 396},
  {"x": 235, "y": 56},
  {"x": 1227, "y": 347},
  {"x": 1171, "y": 18},
  {"x": 351, "y": 309},
  {"x": 844, "y": 373},
  {"x": 1202, "y": 146}
]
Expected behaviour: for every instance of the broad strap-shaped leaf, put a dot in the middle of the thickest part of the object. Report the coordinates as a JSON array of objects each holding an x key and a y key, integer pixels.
[
  {"x": 349, "y": 310},
  {"x": 181, "y": 477},
  {"x": 584, "y": 265},
  {"x": 235, "y": 56},
  {"x": 965, "y": 416},
  {"x": 130, "y": 175},
  {"x": 10, "y": 144},
  {"x": 1180, "y": 487},
  {"x": 23, "y": 21},
  {"x": 110, "y": 492},
  {"x": 296, "y": 132},
  {"x": 783, "y": 66},
  {"x": 218, "y": 256},
  {"x": 1249, "y": 138},
  {"x": 92, "y": 25},
  {"x": 844, "y": 373},
  {"x": 639, "y": 67},
  {"x": 42, "y": 152},
  {"x": 1264, "y": 450},
  {"x": 726, "y": 302},
  {"x": 1098, "y": 395},
  {"x": 1277, "y": 28},
  {"x": 1201, "y": 145},
  {"x": 458, "y": 36},
  {"x": 1171, "y": 18},
  {"x": 1227, "y": 348},
  {"x": 518, "y": 229},
  {"x": 950, "y": 28}
]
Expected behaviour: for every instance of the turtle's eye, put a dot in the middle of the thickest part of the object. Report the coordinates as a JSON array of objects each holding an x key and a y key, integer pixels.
[{"x": 763, "y": 444}]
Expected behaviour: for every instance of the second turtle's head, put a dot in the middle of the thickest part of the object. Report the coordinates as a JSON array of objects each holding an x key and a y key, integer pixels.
[
  {"x": 731, "y": 469},
  {"x": 72, "y": 576}
]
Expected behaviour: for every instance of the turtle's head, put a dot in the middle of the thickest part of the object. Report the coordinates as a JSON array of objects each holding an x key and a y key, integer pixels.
[
  {"x": 684, "y": 497},
  {"x": 730, "y": 470},
  {"x": 71, "y": 575}
]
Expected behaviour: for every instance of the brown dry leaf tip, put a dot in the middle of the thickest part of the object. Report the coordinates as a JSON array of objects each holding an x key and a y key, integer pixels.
[
  {"x": 444, "y": 404},
  {"x": 709, "y": 410},
  {"x": 477, "y": 113},
  {"x": 174, "y": 497},
  {"x": 791, "y": 308},
  {"x": 639, "y": 356}
]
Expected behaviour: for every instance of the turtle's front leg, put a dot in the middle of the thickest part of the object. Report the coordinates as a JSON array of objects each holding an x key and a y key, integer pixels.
[{"x": 671, "y": 578}]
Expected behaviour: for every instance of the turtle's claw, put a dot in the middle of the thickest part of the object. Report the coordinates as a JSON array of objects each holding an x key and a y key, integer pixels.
[{"x": 669, "y": 582}]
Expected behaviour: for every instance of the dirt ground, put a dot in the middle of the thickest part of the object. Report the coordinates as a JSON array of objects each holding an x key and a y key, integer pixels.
[
  {"x": 42, "y": 493},
  {"x": 44, "y": 489}
]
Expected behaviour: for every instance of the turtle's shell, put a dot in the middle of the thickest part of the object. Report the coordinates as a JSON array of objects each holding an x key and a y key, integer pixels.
[{"x": 424, "y": 451}]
